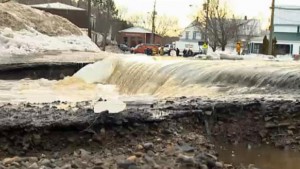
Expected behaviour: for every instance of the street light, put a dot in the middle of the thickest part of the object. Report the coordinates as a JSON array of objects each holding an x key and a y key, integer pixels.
[{"x": 271, "y": 28}]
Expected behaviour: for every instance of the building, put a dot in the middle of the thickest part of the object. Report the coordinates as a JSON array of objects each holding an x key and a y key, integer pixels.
[
  {"x": 286, "y": 31},
  {"x": 191, "y": 33},
  {"x": 137, "y": 35},
  {"x": 248, "y": 29},
  {"x": 77, "y": 16}
]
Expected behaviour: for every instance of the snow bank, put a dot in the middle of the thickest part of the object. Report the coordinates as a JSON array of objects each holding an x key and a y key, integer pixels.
[
  {"x": 18, "y": 17},
  {"x": 25, "y": 31},
  {"x": 27, "y": 42}
]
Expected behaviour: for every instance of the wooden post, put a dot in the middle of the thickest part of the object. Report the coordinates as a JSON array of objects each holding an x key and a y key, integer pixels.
[{"x": 271, "y": 29}]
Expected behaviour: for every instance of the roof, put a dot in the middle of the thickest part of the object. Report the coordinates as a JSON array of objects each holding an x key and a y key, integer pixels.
[
  {"x": 287, "y": 15},
  {"x": 57, "y": 5},
  {"x": 136, "y": 29}
]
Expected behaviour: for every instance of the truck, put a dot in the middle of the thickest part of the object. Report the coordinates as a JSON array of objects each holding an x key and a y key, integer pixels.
[{"x": 194, "y": 46}]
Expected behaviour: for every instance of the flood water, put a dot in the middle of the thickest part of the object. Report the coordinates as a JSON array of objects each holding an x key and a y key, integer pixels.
[
  {"x": 264, "y": 157},
  {"x": 146, "y": 78}
]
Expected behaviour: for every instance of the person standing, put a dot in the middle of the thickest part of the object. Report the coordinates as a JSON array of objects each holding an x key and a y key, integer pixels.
[
  {"x": 205, "y": 47},
  {"x": 177, "y": 52},
  {"x": 184, "y": 53},
  {"x": 238, "y": 48}
]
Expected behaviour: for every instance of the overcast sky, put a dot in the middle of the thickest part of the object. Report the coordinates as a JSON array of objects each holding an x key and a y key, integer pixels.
[{"x": 183, "y": 9}]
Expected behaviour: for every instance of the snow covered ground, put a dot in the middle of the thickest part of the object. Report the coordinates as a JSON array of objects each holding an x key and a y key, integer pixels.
[
  {"x": 26, "y": 42},
  {"x": 28, "y": 31}
]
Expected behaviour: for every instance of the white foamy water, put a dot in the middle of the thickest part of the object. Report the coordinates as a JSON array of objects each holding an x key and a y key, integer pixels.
[{"x": 146, "y": 78}]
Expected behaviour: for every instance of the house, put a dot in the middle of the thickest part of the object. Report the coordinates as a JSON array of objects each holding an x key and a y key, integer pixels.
[
  {"x": 249, "y": 28},
  {"x": 191, "y": 33},
  {"x": 286, "y": 31},
  {"x": 137, "y": 35},
  {"x": 77, "y": 16}
]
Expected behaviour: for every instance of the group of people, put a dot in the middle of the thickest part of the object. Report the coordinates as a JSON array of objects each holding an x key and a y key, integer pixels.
[{"x": 188, "y": 52}]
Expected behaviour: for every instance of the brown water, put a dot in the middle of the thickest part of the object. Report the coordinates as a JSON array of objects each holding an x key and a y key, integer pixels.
[
  {"x": 264, "y": 157},
  {"x": 143, "y": 78},
  {"x": 159, "y": 78}
]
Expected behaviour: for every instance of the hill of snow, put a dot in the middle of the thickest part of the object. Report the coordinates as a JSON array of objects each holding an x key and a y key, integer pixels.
[{"x": 24, "y": 31}]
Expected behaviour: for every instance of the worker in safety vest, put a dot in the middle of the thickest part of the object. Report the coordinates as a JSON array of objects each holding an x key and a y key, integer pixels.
[
  {"x": 238, "y": 47},
  {"x": 205, "y": 47}
]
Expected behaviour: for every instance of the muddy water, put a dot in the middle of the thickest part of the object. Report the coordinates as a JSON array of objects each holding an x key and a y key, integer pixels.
[
  {"x": 144, "y": 78},
  {"x": 43, "y": 90},
  {"x": 264, "y": 157},
  {"x": 160, "y": 78}
]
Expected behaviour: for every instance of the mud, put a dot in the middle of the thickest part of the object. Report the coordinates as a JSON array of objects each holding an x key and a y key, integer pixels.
[{"x": 180, "y": 132}]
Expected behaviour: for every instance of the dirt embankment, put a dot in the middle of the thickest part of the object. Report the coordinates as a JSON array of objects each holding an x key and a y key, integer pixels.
[
  {"x": 17, "y": 17},
  {"x": 163, "y": 134}
]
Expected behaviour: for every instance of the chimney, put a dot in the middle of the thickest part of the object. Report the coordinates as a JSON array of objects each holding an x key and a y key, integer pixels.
[{"x": 246, "y": 18}]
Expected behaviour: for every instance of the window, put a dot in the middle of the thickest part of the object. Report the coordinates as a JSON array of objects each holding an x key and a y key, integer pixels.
[
  {"x": 195, "y": 35},
  {"x": 187, "y": 34},
  {"x": 298, "y": 31}
]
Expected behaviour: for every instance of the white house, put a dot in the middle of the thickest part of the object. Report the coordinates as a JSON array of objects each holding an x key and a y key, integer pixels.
[
  {"x": 250, "y": 28},
  {"x": 191, "y": 33},
  {"x": 286, "y": 31}
]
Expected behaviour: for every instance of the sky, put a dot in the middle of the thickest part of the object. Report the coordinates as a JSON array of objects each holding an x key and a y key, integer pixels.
[{"x": 184, "y": 9}]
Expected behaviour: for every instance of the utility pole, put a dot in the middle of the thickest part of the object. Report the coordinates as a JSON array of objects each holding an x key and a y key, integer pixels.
[
  {"x": 206, "y": 21},
  {"x": 153, "y": 23},
  {"x": 89, "y": 19},
  {"x": 271, "y": 29}
]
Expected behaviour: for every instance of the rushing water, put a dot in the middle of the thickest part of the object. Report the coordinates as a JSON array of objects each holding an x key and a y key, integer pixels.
[
  {"x": 141, "y": 76},
  {"x": 146, "y": 78},
  {"x": 264, "y": 157},
  {"x": 213, "y": 78}
]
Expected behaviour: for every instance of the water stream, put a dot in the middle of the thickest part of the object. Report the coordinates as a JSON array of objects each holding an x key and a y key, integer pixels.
[{"x": 146, "y": 78}]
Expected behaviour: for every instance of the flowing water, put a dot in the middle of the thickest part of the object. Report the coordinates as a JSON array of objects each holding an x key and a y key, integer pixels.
[
  {"x": 142, "y": 76},
  {"x": 148, "y": 78}
]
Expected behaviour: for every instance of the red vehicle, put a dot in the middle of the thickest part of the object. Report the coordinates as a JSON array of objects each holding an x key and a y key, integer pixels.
[{"x": 141, "y": 48}]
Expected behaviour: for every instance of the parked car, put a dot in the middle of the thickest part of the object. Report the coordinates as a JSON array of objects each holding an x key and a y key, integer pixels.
[
  {"x": 124, "y": 47},
  {"x": 142, "y": 48}
]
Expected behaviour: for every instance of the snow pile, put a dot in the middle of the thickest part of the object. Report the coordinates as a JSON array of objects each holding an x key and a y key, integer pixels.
[
  {"x": 17, "y": 17},
  {"x": 26, "y": 42},
  {"x": 25, "y": 31}
]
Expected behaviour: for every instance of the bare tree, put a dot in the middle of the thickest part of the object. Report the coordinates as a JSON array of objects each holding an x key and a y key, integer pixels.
[
  {"x": 212, "y": 24},
  {"x": 107, "y": 12},
  {"x": 164, "y": 25},
  {"x": 221, "y": 28},
  {"x": 226, "y": 26}
]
